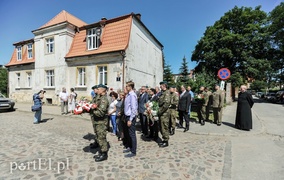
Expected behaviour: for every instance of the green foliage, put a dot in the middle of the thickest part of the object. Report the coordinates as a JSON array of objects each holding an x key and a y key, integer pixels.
[
  {"x": 184, "y": 71},
  {"x": 236, "y": 79},
  {"x": 258, "y": 85},
  {"x": 168, "y": 75},
  {"x": 3, "y": 80},
  {"x": 204, "y": 78},
  {"x": 276, "y": 32},
  {"x": 238, "y": 41}
]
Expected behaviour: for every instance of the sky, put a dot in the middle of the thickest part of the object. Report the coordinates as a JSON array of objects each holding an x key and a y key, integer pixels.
[{"x": 177, "y": 24}]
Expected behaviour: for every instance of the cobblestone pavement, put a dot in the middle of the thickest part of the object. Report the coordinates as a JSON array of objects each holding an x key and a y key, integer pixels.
[{"x": 58, "y": 148}]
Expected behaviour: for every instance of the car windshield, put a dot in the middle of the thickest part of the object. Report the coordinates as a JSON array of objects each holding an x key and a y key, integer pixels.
[{"x": 2, "y": 96}]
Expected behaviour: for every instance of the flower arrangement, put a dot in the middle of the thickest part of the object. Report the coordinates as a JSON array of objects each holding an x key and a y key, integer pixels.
[
  {"x": 199, "y": 98},
  {"x": 152, "y": 111}
]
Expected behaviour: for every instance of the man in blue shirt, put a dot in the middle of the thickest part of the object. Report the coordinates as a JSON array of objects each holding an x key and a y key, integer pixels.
[
  {"x": 130, "y": 111},
  {"x": 192, "y": 97}
]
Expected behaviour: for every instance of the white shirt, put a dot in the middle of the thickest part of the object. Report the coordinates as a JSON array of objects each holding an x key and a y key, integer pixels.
[
  {"x": 63, "y": 96},
  {"x": 112, "y": 106}
]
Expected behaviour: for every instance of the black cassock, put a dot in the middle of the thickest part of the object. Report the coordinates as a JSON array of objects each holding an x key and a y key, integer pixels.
[{"x": 243, "y": 117}]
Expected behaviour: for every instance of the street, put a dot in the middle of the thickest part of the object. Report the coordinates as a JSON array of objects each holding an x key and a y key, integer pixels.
[{"x": 58, "y": 148}]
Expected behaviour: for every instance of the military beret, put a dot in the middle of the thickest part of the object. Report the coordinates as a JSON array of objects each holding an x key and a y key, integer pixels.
[
  {"x": 163, "y": 82},
  {"x": 172, "y": 86},
  {"x": 102, "y": 86},
  {"x": 217, "y": 85},
  {"x": 95, "y": 87}
]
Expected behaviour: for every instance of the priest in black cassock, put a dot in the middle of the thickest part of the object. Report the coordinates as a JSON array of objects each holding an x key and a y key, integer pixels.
[{"x": 245, "y": 103}]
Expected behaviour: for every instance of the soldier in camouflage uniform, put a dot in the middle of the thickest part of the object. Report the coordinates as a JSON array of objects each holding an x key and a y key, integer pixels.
[
  {"x": 208, "y": 103},
  {"x": 95, "y": 89},
  {"x": 163, "y": 113},
  {"x": 201, "y": 107},
  {"x": 100, "y": 119},
  {"x": 218, "y": 103},
  {"x": 173, "y": 110}
]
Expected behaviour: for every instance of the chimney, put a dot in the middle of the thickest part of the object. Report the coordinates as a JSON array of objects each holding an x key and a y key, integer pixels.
[
  {"x": 103, "y": 21},
  {"x": 138, "y": 15}
]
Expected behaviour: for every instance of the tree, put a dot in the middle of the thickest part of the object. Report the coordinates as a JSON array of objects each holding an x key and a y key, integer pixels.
[
  {"x": 168, "y": 75},
  {"x": 238, "y": 41},
  {"x": 3, "y": 80},
  {"x": 204, "y": 78},
  {"x": 276, "y": 32},
  {"x": 258, "y": 85},
  {"x": 184, "y": 70}
]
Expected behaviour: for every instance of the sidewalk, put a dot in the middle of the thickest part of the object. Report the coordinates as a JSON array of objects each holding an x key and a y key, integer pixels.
[{"x": 226, "y": 129}]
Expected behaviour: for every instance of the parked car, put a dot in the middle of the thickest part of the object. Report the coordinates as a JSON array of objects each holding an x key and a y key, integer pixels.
[
  {"x": 259, "y": 94},
  {"x": 271, "y": 97},
  {"x": 6, "y": 103},
  {"x": 279, "y": 96}
]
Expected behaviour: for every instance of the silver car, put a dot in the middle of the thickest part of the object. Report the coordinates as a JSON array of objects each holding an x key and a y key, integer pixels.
[{"x": 6, "y": 103}]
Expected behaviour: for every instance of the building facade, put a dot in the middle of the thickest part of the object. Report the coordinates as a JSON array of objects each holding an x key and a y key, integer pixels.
[{"x": 67, "y": 52}]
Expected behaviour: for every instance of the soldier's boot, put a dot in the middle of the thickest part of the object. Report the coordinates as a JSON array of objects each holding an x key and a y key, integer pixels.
[
  {"x": 94, "y": 145},
  {"x": 202, "y": 122},
  {"x": 186, "y": 128},
  {"x": 173, "y": 131},
  {"x": 103, "y": 156},
  {"x": 164, "y": 144},
  {"x": 161, "y": 143},
  {"x": 98, "y": 155}
]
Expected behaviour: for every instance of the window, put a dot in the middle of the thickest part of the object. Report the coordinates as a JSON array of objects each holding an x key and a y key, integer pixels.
[
  {"x": 102, "y": 75},
  {"x": 19, "y": 53},
  {"x": 29, "y": 79},
  {"x": 81, "y": 77},
  {"x": 50, "y": 78},
  {"x": 18, "y": 79},
  {"x": 30, "y": 51},
  {"x": 50, "y": 45},
  {"x": 93, "y": 39}
]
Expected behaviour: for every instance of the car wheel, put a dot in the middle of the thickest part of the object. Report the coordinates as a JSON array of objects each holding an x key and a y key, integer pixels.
[{"x": 12, "y": 109}]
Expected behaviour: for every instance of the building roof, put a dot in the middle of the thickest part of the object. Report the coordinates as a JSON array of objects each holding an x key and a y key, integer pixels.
[
  {"x": 25, "y": 60},
  {"x": 115, "y": 37},
  {"x": 64, "y": 16}
]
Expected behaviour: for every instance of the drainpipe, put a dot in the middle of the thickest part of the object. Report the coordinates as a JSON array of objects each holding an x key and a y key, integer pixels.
[{"x": 123, "y": 69}]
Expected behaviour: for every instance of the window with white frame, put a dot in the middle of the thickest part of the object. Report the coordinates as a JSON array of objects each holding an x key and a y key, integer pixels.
[
  {"x": 29, "y": 79},
  {"x": 19, "y": 53},
  {"x": 92, "y": 39},
  {"x": 102, "y": 75},
  {"x": 81, "y": 76},
  {"x": 50, "y": 45},
  {"x": 50, "y": 78},
  {"x": 30, "y": 51},
  {"x": 18, "y": 75}
]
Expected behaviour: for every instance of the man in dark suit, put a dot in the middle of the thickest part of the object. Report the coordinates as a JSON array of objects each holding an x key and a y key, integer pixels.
[
  {"x": 183, "y": 106},
  {"x": 141, "y": 109}
]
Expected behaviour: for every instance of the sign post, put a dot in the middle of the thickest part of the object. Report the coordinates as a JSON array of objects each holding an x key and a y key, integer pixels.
[{"x": 223, "y": 74}]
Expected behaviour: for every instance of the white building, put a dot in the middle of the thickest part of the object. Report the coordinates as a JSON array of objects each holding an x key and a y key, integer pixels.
[{"x": 67, "y": 52}]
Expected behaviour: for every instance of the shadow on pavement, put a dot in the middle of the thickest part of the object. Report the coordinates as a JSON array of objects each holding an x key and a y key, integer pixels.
[
  {"x": 229, "y": 124},
  {"x": 89, "y": 136},
  {"x": 45, "y": 120}
]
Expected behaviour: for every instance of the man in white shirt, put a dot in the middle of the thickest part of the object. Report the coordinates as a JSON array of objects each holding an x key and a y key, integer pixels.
[{"x": 63, "y": 95}]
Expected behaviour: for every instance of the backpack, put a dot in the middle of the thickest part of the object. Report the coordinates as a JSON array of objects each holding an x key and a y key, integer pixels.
[{"x": 75, "y": 96}]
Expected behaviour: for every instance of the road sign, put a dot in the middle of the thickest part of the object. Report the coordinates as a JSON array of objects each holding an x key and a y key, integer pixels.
[{"x": 224, "y": 73}]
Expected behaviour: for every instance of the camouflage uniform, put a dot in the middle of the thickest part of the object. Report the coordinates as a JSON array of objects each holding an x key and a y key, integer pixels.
[
  {"x": 218, "y": 103},
  {"x": 173, "y": 110},
  {"x": 201, "y": 107},
  {"x": 163, "y": 113},
  {"x": 94, "y": 101},
  {"x": 208, "y": 104},
  {"x": 100, "y": 120}
]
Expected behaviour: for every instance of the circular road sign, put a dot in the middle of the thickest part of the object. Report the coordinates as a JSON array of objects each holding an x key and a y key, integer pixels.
[{"x": 224, "y": 73}]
